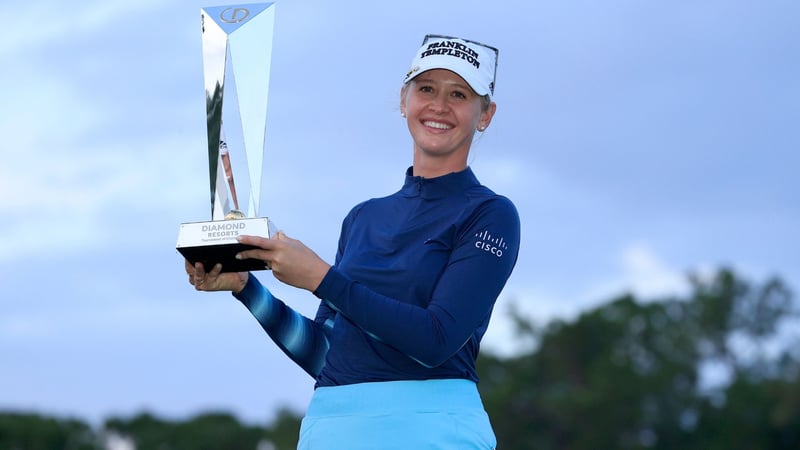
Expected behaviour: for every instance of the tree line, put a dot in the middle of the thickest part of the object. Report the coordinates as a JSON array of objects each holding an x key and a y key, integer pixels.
[{"x": 716, "y": 369}]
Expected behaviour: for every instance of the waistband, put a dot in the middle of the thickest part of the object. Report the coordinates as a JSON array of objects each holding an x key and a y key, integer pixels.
[{"x": 395, "y": 396}]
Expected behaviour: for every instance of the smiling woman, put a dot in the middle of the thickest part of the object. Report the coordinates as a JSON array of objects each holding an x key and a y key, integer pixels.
[
  {"x": 408, "y": 299},
  {"x": 446, "y": 96}
]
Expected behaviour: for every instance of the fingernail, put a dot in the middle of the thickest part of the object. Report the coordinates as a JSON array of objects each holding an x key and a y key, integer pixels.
[{"x": 238, "y": 256}]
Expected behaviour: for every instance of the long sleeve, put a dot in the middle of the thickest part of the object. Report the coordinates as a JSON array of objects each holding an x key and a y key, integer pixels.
[
  {"x": 431, "y": 331},
  {"x": 303, "y": 340}
]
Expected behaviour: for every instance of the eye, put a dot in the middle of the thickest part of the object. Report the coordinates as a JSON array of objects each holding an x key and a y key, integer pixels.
[
  {"x": 425, "y": 88},
  {"x": 459, "y": 95}
]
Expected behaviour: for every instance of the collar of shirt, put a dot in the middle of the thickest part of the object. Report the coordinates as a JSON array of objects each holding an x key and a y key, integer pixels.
[{"x": 439, "y": 187}]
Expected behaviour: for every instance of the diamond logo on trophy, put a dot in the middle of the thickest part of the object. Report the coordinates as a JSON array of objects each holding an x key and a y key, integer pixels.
[{"x": 237, "y": 54}]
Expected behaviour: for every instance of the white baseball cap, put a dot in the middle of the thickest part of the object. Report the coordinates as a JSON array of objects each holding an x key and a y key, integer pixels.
[{"x": 476, "y": 63}]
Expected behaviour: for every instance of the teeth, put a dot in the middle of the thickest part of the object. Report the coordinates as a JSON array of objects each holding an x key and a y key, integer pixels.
[{"x": 439, "y": 125}]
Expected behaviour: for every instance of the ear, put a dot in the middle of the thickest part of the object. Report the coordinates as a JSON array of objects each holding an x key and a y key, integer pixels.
[{"x": 486, "y": 116}]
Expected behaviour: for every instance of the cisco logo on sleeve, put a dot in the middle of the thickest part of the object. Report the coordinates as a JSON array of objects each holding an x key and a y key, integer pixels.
[{"x": 488, "y": 243}]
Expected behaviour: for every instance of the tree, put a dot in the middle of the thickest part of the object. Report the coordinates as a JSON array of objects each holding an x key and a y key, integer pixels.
[
  {"x": 284, "y": 431},
  {"x": 627, "y": 375},
  {"x": 211, "y": 430},
  {"x": 207, "y": 431},
  {"x": 34, "y": 432}
]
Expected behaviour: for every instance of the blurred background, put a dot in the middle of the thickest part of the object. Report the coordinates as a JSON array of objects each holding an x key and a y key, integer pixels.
[{"x": 651, "y": 150}]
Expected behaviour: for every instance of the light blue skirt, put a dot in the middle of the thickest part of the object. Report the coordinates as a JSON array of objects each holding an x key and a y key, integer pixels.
[{"x": 419, "y": 415}]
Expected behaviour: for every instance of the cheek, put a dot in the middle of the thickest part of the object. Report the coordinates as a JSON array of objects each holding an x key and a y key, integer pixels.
[
  {"x": 471, "y": 116},
  {"x": 411, "y": 104}
]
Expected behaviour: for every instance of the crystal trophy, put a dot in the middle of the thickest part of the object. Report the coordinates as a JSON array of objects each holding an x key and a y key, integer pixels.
[{"x": 237, "y": 53}]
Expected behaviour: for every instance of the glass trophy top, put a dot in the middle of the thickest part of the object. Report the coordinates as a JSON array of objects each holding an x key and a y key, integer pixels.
[{"x": 237, "y": 54}]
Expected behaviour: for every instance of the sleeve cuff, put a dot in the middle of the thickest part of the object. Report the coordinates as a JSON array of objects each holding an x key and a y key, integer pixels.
[{"x": 332, "y": 287}]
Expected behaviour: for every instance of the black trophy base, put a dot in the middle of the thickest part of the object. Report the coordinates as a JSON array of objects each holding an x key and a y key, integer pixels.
[
  {"x": 212, "y": 243},
  {"x": 225, "y": 254}
]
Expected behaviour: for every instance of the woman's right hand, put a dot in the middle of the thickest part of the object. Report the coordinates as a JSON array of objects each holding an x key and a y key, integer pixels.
[{"x": 215, "y": 280}]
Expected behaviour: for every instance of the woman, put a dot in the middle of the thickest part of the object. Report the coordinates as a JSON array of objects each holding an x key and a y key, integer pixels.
[{"x": 408, "y": 299}]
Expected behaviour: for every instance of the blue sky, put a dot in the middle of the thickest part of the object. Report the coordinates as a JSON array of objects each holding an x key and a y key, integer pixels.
[{"x": 639, "y": 140}]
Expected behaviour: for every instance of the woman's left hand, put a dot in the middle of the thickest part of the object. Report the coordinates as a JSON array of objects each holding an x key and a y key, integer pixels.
[{"x": 290, "y": 260}]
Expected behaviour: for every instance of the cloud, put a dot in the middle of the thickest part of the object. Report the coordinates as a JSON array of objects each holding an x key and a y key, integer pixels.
[
  {"x": 647, "y": 275},
  {"x": 117, "y": 318},
  {"x": 638, "y": 270},
  {"x": 64, "y": 177},
  {"x": 641, "y": 272},
  {"x": 531, "y": 303},
  {"x": 39, "y": 23},
  {"x": 66, "y": 195},
  {"x": 22, "y": 328}
]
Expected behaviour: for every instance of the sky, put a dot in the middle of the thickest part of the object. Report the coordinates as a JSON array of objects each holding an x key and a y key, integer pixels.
[{"x": 640, "y": 142}]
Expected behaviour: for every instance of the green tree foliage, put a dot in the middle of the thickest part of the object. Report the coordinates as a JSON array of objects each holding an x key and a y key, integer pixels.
[
  {"x": 627, "y": 375},
  {"x": 206, "y": 431},
  {"x": 22, "y": 431},
  {"x": 285, "y": 430},
  {"x": 209, "y": 431}
]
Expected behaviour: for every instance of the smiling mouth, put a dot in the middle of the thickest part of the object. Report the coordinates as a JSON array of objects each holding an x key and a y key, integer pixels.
[{"x": 437, "y": 125}]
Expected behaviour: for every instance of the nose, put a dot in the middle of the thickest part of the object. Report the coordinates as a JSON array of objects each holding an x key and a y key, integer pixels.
[{"x": 439, "y": 103}]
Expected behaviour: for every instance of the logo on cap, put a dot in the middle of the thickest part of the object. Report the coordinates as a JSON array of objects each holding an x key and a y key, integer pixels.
[
  {"x": 411, "y": 72},
  {"x": 454, "y": 49}
]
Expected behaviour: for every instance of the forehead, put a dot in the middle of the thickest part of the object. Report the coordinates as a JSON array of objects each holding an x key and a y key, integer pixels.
[{"x": 441, "y": 76}]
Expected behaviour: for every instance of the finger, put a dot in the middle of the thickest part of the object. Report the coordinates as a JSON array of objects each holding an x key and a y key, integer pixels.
[
  {"x": 188, "y": 266},
  {"x": 256, "y": 241},
  {"x": 199, "y": 270},
  {"x": 254, "y": 254},
  {"x": 199, "y": 274},
  {"x": 215, "y": 271},
  {"x": 280, "y": 235}
]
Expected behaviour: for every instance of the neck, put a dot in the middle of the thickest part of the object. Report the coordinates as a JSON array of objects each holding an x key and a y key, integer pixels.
[{"x": 426, "y": 166}]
